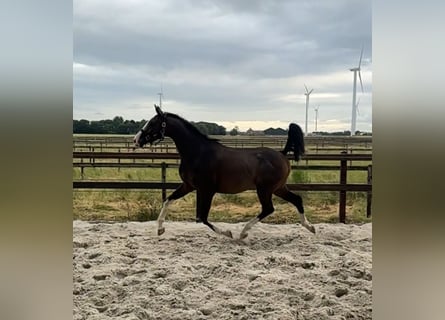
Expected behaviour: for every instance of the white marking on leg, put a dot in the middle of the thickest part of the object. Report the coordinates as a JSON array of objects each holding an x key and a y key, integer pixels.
[
  {"x": 306, "y": 224},
  {"x": 248, "y": 226},
  {"x": 226, "y": 233},
  {"x": 217, "y": 230},
  {"x": 303, "y": 219},
  {"x": 161, "y": 217}
]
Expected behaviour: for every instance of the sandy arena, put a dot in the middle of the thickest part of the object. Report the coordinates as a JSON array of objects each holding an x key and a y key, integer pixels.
[{"x": 125, "y": 271}]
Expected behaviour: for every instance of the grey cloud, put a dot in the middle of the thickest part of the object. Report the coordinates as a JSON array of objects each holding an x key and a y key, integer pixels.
[
  {"x": 298, "y": 34},
  {"x": 234, "y": 44}
]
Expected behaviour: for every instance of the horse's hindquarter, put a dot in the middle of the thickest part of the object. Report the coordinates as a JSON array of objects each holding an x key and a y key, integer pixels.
[{"x": 273, "y": 168}]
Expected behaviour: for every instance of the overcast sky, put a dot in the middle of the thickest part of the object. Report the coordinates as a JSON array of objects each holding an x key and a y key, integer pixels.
[{"x": 232, "y": 62}]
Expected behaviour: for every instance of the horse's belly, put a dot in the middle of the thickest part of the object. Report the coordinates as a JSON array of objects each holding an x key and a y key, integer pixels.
[{"x": 235, "y": 186}]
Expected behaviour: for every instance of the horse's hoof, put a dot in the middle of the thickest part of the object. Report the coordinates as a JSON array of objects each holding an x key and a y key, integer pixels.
[
  {"x": 311, "y": 229},
  {"x": 243, "y": 236},
  {"x": 161, "y": 231},
  {"x": 227, "y": 233}
]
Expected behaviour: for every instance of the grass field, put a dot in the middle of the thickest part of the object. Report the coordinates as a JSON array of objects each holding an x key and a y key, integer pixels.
[{"x": 140, "y": 205}]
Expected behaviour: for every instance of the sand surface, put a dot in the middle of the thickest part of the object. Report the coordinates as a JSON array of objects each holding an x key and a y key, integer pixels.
[{"x": 125, "y": 271}]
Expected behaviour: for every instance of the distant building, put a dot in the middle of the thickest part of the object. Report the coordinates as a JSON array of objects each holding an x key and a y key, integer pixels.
[
  {"x": 251, "y": 132},
  {"x": 275, "y": 132}
]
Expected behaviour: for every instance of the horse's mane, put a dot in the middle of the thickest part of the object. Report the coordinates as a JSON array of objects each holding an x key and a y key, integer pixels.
[{"x": 189, "y": 126}]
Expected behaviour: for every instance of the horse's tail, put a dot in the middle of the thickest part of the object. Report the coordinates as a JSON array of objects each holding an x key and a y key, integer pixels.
[{"x": 295, "y": 141}]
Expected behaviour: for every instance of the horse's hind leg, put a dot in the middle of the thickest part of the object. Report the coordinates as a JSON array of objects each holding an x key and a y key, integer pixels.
[
  {"x": 181, "y": 191},
  {"x": 203, "y": 203},
  {"x": 265, "y": 197},
  {"x": 296, "y": 200}
]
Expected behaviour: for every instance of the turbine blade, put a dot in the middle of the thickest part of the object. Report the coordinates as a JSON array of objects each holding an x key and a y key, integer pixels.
[
  {"x": 360, "y": 77},
  {"x": 311, "y": 91},
  {"x": 306, "y": 88},
  {"x": 360, "y": 61},
  {"x": 358, "y": 102}
]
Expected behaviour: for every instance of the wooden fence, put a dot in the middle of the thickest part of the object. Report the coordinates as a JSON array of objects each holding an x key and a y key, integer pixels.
[
  {"x": 88, "y": 159},
  {"x": 241, "y": 141},
  {"x": 104, "y": 143}
]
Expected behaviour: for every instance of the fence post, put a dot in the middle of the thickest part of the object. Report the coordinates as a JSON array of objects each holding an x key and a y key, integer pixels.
[
  {"x": 369, "y": 194},
  {"x": 343, "y": 179},
  {"x": 164, "y": 180},
  {"x": 119, "y": 161}
]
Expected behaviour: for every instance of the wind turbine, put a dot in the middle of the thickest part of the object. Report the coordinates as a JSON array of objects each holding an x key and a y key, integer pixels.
[
  {"x": 354, "y": 94},
  {"x": 316, "y": 117},
  {"x": 161, "y": 94},
  {"x": 358, "y": 102},
  {"x": 307, "y": 106}
]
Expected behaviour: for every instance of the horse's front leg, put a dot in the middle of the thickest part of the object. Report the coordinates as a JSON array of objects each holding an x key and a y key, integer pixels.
[
  {"x": 203, "y": 203},
  {"x": 181, "y": 191}
]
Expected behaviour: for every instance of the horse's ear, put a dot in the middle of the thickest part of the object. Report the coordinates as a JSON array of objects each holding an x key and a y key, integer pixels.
[{"x": 158, "y": 110}]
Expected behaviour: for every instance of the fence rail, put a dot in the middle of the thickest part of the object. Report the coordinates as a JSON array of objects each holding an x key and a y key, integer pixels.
[
  {"x": 172, "y": 149},
  {"x": 314, "y": 143},
  {"x": 239, "y": 140},
  {"x": 175, "y": 156},
  {"x": 342, "y": 187}
]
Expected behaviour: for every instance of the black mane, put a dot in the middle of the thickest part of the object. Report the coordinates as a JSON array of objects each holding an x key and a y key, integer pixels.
[{"x": 189, "y": 126}]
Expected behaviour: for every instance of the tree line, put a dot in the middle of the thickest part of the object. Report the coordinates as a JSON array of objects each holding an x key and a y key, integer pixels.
[{"x": 120, "y": 126}]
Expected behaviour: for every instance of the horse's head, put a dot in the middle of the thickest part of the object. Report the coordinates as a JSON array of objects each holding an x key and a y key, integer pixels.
[{"x": 152, "y": 131}]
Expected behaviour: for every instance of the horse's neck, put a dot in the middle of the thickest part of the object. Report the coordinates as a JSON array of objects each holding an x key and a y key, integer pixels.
[{"x": 187, "y": 142}]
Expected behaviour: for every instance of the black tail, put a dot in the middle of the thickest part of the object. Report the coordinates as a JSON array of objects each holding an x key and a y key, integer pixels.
[{"x": 295, "y": 141}]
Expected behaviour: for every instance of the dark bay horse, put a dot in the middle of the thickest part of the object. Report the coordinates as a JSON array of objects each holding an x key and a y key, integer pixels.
[{"x": 210, "y": 167}]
